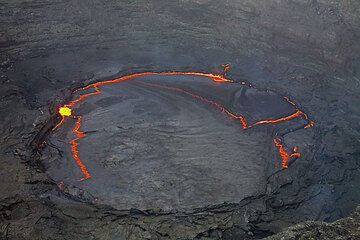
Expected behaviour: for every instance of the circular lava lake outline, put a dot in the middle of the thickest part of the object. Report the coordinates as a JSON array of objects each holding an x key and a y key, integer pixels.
[{"x": 287, "y": 156}]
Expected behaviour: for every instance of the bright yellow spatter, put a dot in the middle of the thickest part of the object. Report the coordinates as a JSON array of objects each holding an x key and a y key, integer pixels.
[{"x": 65, "y": 111}]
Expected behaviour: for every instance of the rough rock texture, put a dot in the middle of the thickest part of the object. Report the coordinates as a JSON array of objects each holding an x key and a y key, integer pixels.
[
  {"x": 305, "y": 49},
  {"x": 156, "y": 149},
  {"x": 346, "y": 228}
]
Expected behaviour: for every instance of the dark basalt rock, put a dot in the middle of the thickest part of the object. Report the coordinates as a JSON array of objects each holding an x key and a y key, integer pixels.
[
  {"x": 346, "y": 228},
  {"x": 307, "y": 50},
  {"x": 163, "y": 145}
]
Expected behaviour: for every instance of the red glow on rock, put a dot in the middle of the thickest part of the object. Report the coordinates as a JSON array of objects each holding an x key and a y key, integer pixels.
[
  {"x": 285, "y": 156},
  {"x": 282, "y": 119},
  {"x": 220, "y": 107},
  {"x": 75, "y": 152},
  {"x": 61, "y": 185},
  {"x": 305, "y": 116},
  {"x": 59, "y": 123}
]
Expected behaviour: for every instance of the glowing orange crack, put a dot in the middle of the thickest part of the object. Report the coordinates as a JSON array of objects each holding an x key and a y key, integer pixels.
[
  {"x": 59, "y": 123},
  {"x": 282, "y": 119},
  {"x": 285, "y": 156},
  {"x": 306, "y": 117},
  {"x": 74, "y": 144},
  {"x": 217, "y": 105},
  {"x": 66, "y": 111},
  {"x": 234, "y": 115}
]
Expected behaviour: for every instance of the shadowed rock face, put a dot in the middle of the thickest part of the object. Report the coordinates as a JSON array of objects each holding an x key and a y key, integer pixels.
[{"x": 307, "y": 50}]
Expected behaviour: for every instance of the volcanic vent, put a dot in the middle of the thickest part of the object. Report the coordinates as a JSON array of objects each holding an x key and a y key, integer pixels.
[{"x": 172, "y": 140}]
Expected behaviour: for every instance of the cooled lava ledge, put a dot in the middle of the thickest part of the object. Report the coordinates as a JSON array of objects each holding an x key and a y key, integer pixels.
[{"x": 158, "y": 141}]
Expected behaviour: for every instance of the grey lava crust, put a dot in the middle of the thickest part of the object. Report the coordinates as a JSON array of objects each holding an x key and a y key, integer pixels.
[{"x": 143, "y": 185}]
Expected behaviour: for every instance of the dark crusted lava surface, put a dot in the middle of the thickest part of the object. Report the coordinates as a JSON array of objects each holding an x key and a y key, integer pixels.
[{"x": 308, "y": 50}]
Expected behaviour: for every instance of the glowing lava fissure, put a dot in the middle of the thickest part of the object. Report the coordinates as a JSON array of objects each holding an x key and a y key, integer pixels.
[
  {"x": 74, "y": 144},
  {"x": 285, "y": 156},
  {"x": 220, "y": 107},
  {"x": 67, "y": 111}
]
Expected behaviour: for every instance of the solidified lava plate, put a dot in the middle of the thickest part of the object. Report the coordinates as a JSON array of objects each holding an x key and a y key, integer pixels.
[{"x": 172, "y": 140}]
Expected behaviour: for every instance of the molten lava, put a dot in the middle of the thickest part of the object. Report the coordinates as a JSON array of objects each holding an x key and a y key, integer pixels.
[
  {"x": 74, "y": 144},
  {"x": 66, "y": 111},
  {"x": 282, "y": 119},
  {"x": 285, "y": 156},
  {"x": 215, "y": 104}
]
